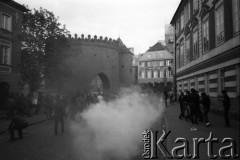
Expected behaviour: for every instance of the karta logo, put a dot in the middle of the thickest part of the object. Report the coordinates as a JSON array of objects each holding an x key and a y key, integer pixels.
[{"x": 151, "y": 145}]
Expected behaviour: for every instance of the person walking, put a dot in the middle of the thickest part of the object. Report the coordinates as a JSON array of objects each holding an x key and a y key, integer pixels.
[
  {"x": 206, "y": 102},
  {"x": 226, "y": 105},
  {"x": 59, "y": 110},
  {"x": 181, "y": 102}
]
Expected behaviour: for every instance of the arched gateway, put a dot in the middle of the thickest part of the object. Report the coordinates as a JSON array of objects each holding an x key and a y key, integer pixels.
[{"x": 109, "y": 60}]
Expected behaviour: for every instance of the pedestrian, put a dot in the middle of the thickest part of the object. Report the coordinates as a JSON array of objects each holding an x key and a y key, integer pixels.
[
  {"x": 186, "y": 106},
  {"x": 226, "y": 105},
  {"x": 199, "y": 112},
  {"x": 17, "y": 123},
  {"x": 170, "y": 93},
  {"x": 206, "y": 102},
  {"x": 181, "y": 102},
  {"x": 165, "y": 97},
  {"x": 193, "y": 104},
  {"x": 60, "y": 113}
]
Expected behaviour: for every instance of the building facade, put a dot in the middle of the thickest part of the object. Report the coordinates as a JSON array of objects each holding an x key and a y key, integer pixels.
[
  {"x": 207, "y": 48},
  {"x": 10, "y": 46},
  {"x": 153, "y": 67}
]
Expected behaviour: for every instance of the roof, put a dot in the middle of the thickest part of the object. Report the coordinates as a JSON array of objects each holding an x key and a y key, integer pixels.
[
  {"x": 15, "y": 5},
  {"x": 175, "y": 14},
  {"x": 157, "y": 47},
  {"x": 156, "y": 55}
]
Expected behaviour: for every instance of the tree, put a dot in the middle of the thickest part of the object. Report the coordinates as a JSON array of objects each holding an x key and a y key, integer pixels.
[{"x": 43, "y": 38}]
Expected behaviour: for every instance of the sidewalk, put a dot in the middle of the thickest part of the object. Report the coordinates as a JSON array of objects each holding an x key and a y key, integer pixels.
[
  {"x": 34, "y": 119},
  {"x": 182, "y": 128}
]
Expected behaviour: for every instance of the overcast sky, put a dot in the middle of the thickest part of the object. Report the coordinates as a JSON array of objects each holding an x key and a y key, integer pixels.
[{"x": 139, "y": 23}]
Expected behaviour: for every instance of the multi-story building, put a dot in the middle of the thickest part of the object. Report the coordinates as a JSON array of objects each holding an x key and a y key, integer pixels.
[
  {"x": 153, "y": 67},
  {"x": 10, "y": 46},
  {"x": 207, "y": 47}
]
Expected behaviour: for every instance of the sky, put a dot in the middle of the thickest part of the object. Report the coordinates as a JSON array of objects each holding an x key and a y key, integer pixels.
[{"x": 139, "y": 23}]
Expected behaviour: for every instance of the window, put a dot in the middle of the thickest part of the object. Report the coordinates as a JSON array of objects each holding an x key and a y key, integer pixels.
[
  {"x": 161, "y": 63},
  {"x": 188, "y": 50},
  {"x": 205, "y": 30},
  {"x": 143, "y": 74},
  {"x": 168, "y": 62},
  {"x": 219, "y": 21},
  {"x": 182, "y": 54},
  {"x": 195, "y": 6},
  {"x": 155, "y": 74},
  {"x": 5, "y": 52},
  {"x": 148, "y": 64},
  {"x": 6, "y": 22},
  {"x": 149, "y": 74},
  {"x": 187, "y": 12},
  {"x": 236, "y": 18},
  {"x": 5, "y": 55},
  {"x": 222, "y": 75},
  {"x": 182, "y": 21},
  {"x": 156, "y": 63},
  {"x": 195, "y": 45},
  {"x": 161, "y": 73},
  {"x": 143, "y": 64}
]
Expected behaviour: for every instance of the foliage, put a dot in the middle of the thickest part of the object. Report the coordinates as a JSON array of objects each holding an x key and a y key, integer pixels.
[{"x": 44, "y": 39}]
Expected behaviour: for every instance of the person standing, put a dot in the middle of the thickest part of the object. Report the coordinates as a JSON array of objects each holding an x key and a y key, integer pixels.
[
  {"x": 186, "y": 106},
  {"x": 59, "y": 110},
  {"x": 206, "y": 102},
  {"x": 193, "y": 103},
  {"x": 171, "y": 97},
  {"x": 226, "y": 104},
  {"x": 181, "y": 102},
  {"x": 165, "y": 97}
]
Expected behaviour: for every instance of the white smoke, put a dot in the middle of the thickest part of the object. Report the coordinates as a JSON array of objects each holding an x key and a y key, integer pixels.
[{"x": 114, "y": 130}]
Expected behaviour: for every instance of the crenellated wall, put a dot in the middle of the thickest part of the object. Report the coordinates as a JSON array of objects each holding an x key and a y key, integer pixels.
[{"x": 98, "y": 55}]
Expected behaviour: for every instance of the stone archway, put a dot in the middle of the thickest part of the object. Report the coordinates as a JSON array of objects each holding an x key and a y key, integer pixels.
[{"x": 101, "y": 84}]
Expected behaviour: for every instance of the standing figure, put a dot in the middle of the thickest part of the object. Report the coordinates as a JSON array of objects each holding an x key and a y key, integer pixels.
[
  {"x": 193, "y": 104},
  {"x": 165, "y": 97},
  {"x": 226, "y": 105},
  {"x": 59, "y": 110},
  {"x": 171, "y": 97},
  {"x": 181, "y": 101},
  {"x": 206, "y": 102}
]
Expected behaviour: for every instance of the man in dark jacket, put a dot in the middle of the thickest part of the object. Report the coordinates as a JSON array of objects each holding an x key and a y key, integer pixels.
[
  {"x": 193, "y": 103},
  {"x": 205, "y": 101},
  {"x": 226, "y": 105}
]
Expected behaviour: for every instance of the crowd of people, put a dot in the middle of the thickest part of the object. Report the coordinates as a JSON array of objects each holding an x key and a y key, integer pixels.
[
  {"x": 194, "y": 107},
  {"x": 57, "y": 106}
]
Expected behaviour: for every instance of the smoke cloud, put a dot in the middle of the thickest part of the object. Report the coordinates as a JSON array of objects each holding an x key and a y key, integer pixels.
[{"x": 113, "y": 130}]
